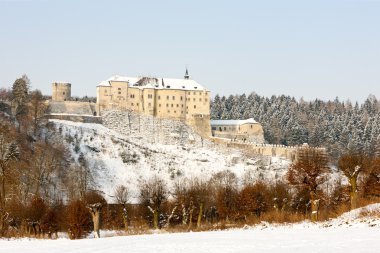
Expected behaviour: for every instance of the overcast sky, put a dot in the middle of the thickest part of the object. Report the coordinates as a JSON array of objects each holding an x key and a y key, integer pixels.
[{"x": 311, "y": 49}]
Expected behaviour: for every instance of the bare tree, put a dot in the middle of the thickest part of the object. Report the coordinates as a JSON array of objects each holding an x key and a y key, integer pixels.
[
  {"x": 351, "y": 165},
  {"x": 95, "y": 203},
  {"x": 152, "y": 194},
  {"x": 95, "y": 214},
  {"x": 308, "y": 172},
  {"x": 224, "y": 185},
  {"x": 122, "y": 196}
]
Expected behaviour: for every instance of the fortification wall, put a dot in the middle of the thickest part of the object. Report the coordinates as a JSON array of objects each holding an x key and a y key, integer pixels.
[
  {"x": 200, "y": 125},
  {"x": 76, "y": 118},
  {"x": 72, "y": 107},
  {"x": 287, "y": 152}
]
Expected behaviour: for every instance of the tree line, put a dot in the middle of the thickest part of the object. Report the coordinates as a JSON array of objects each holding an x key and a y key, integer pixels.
[{"x": 339, "y": 126}]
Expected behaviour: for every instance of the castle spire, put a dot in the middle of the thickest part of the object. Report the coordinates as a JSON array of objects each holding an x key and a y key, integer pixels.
[{"x": 187, "y": 74}]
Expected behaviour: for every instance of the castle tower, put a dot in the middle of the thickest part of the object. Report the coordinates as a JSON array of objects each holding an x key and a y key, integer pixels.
[{"x": 61, "y": 91}]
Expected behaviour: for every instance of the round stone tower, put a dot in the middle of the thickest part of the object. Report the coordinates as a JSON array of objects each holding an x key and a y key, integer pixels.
[{"x": 61, "y": 91}]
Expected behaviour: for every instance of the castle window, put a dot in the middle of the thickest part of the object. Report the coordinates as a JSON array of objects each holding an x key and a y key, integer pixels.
[
  {"x": 149, "y": 95},
  {"x": 167, "y": 97},
  {"x": 194, "y": 99},
  {"x": 173, "y": 97},
  {"x": 159, "y": 105},
  {"x": 168, "y": 111},
  {"x": 220, "y": 129},
  {"x": 149, "y": 104},
  {"x": 137, "y": 104},
  {"x": 159, "y": 97},
  {"x": 119, "y": 92},
  {"x": 181, "y": 98},
  {"x": 167, "y": 105},
  {"x": 175, "y": 111},
  {"x": 213, "y": 128},
  {"x": 105, "y": 91},
  {"x": 182, "y": 106},
  {"x": 206, "y": 99},
  {"x": 182, "y": 112},
  {"x": 195, "y": 107},
  {"x": 200, "y": 100},
  {"x": 172, "y": 105},
  {"x": 194, "y": 93},
  {"x": 251, "y": 126},
  {"x": 177, "y": 105},
  {"x": 132, "y": 104},
  {"x": 118, "y": 88},
  {"x": 63, "y": 93},
  {"x": 224, "y": 128}
]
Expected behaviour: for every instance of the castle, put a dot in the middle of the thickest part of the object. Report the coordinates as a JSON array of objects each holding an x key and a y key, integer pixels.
[{"x": 178, "y": 99}]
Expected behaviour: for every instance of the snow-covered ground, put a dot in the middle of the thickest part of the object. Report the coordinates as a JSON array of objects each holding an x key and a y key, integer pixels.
[
  {"x": 355, "y": 231},
  {"x": 129, "y": 158},
  {"x": 281, "y": 239}
]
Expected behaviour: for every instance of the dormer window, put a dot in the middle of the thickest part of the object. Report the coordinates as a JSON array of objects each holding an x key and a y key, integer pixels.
[
  {"x": 195, "y": 87},
  {"x": 167, "y": 86},
  {"x": 183, "y": 87}
]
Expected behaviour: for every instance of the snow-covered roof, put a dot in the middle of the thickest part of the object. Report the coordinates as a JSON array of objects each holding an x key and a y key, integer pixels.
[
  {"x": 104, "y": 83},
  {"x": 232, "y": 122},
  {"x": 155, "y": 83}
]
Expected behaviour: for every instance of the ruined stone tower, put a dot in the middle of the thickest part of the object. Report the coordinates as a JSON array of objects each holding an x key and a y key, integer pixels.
[{"x": 61, "y": 91}]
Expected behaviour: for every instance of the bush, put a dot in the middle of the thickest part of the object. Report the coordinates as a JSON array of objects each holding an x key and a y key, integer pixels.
[{"x": 78, "y": 219}]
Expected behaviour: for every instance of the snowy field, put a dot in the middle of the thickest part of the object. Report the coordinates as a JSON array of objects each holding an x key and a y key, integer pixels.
[
  {"x": 354, "y": 231},
  {"x": 280, "y": 239}
]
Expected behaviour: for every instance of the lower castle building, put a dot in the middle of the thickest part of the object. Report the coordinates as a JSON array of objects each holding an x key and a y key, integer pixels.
[{"x": 238, "y": 130}]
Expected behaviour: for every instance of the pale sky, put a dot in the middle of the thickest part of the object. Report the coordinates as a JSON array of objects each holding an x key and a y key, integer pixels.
[{"x": 311, "y": 49}]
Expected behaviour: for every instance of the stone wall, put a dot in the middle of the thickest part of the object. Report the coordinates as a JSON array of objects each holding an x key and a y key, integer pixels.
[
  {"x": 200, "y": 124},
  {"x": 72, "y": 107},
  {"x": 287, "y": 152},
  {"x": 139, "y": 127},
  {"x": 76, "y": 118}
]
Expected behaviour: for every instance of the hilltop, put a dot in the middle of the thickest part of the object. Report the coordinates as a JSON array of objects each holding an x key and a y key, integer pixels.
[{"x": 123, "y": 153}]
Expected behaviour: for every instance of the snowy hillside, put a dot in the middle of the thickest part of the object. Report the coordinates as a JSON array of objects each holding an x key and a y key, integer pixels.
[{"x": 139, "y": 154}]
